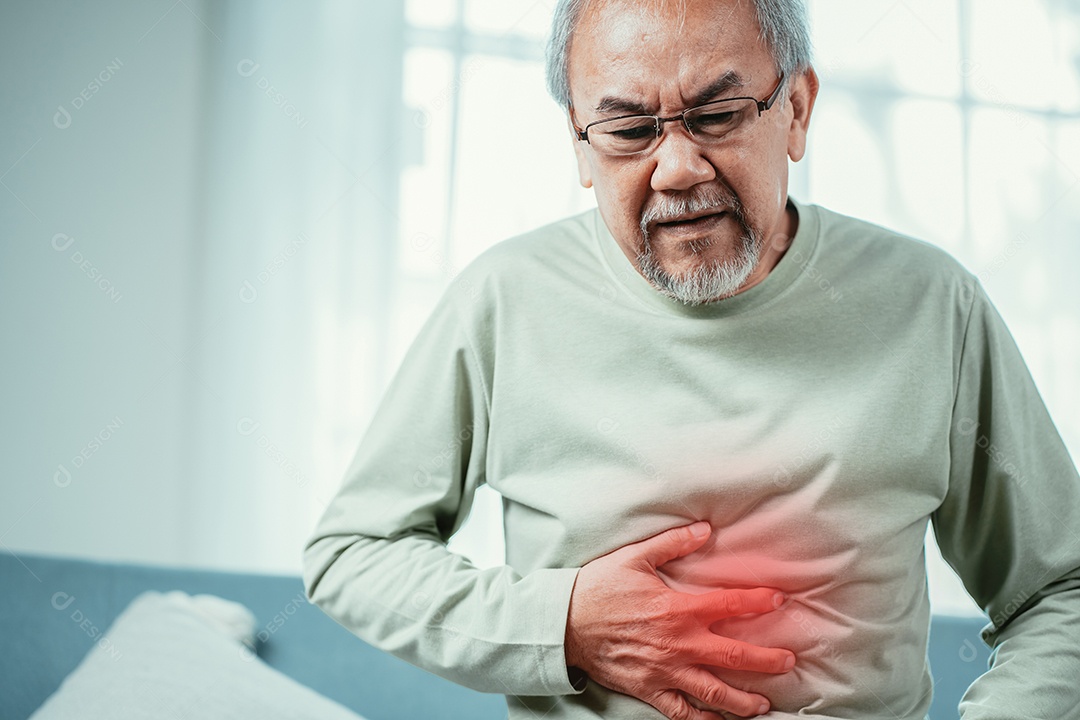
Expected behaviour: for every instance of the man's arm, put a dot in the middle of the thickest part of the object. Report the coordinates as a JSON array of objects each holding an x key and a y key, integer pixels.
[
  {"x": 377, "y": 560},
  {"x": 1010, "y": 527}
]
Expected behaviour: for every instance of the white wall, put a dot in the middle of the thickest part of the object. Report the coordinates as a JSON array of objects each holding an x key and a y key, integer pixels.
[
  {"x": 242, "y": 215},
  {"x": 117, "y": 191}
]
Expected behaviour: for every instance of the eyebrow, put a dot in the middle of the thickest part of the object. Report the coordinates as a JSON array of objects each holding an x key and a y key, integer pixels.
[{"x": 725, "y": 82}]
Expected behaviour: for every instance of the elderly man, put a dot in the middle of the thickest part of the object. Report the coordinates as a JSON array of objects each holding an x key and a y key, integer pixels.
[{"x": 720, "y": 421}]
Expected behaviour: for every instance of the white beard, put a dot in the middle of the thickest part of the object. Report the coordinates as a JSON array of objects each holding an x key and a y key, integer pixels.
[{"x": 707, "y": 282}]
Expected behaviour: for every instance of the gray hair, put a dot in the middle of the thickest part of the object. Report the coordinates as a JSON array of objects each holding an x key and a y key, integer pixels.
[{"x": 785, "y": 30}]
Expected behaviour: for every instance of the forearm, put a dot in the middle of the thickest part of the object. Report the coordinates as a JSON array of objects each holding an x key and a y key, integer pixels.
[
  {"x": 1035, "y": 671},
  {"x": 491, "y": 630}
]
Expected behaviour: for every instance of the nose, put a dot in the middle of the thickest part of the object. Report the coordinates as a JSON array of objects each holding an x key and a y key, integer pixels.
[{"x": 680, "y": 160}]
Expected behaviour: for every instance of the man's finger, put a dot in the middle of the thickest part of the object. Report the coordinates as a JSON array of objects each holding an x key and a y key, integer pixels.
[
  {"x": 711, "y": 649},
  {"x": 710, "y": 693},
  {"x": 720, "y": 604},
  {"x": 675, "y": 706},
  {"x": 671, "y": 544}
]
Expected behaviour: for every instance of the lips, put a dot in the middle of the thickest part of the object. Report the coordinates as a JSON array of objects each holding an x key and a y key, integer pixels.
[
  {"x": 693, "y": 220},
  {"x": 691, "y": 228}
]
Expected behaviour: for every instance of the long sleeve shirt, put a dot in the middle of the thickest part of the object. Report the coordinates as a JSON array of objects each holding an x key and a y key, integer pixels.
[{"x": 818, "y": 420}]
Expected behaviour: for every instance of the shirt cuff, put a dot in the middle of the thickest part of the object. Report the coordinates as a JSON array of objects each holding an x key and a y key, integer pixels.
[{"x": 558, "y": 678}]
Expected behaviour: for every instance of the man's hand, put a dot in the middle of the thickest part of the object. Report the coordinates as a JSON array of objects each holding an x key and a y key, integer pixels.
[{"x": 633, "y": 634}]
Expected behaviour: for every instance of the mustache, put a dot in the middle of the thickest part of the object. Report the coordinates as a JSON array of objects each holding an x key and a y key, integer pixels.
[{"x": 701, "y": 201}]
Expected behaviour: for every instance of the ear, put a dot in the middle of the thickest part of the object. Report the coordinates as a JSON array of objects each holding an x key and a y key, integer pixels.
[
  {"x": 804, "y": 90},
  {"x": 583, "y": 167}
]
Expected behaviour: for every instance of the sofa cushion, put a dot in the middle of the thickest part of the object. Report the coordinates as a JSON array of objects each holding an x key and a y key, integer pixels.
[{"x": 174, "y": 655}]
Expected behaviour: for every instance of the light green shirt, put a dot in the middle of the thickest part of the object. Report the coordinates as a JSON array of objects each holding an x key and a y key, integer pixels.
[{"x": 817, "y": 420}]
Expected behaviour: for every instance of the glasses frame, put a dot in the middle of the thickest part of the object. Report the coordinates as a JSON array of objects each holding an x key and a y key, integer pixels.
[{"x": 658, "y": 122}]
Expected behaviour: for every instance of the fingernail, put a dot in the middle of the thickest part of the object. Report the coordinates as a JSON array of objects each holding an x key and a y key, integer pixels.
[
  {"x": 763, "y": 708},
  {"x": 699, "y": 529},
  {"x": 789, "y": 663},
  {"x": 779, "y": 599}
]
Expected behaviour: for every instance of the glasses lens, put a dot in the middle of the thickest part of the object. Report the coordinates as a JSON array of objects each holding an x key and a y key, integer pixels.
[
  {"x": 718, "y": 119},
  {"x": 624, "y": 136}
]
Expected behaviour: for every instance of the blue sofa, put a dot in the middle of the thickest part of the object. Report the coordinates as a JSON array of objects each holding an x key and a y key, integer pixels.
[{"x": 44, "y": 644}]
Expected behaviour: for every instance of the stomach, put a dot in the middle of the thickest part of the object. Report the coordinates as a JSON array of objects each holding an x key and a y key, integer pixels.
[{"x": 857, "y": 614}]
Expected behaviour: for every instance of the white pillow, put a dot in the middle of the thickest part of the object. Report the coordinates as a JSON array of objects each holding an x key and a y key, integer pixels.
[{"x": 177, "y": 655}]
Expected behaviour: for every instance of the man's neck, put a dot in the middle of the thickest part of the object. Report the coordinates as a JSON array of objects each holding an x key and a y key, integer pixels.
[{"x": 774, "y": 247}]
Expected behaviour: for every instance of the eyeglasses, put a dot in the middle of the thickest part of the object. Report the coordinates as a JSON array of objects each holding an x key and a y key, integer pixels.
[{"x": 633, "y": 134}]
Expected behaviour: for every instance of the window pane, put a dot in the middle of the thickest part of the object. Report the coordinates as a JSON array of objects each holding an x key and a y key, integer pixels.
[
  {"x": 428, "y": 96},
  {"x": 926, "y": 143},
  {"x": 1010, "y": 162},
  {"x": 530, "y": 18},
  {"x": 895, "y": 163},
  {"x": 1013, "y": 54},
  {"x": 516, "y": 168},
  {"x": 871, "y": 41},
  {"x": 431, "y": 13},
  {"x": 843, "y": 141},
  {"x": 1067, "y": 59}
]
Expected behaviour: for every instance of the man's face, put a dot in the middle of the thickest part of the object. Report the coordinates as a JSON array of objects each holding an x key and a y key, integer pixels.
[{"x": 658, "y": 59}]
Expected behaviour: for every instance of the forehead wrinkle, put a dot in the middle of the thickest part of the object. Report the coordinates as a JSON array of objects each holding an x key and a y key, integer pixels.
[
  {"x": 658, "y": 9},
  {"x": 626, "y": 41},
  {"x": 726, "y": 82}
]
